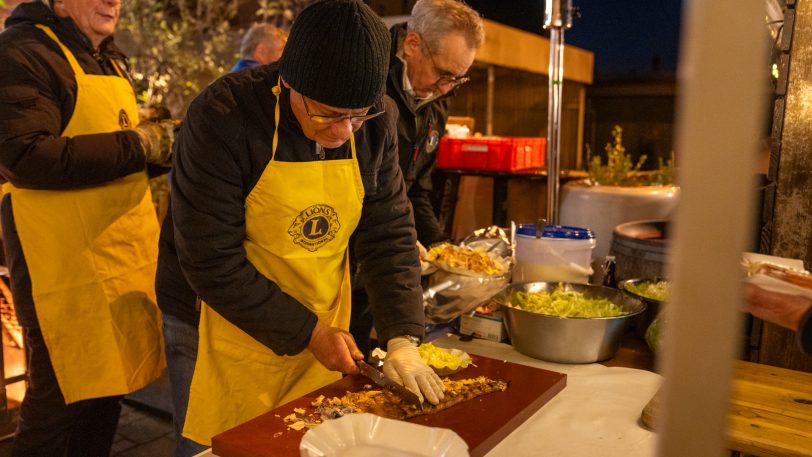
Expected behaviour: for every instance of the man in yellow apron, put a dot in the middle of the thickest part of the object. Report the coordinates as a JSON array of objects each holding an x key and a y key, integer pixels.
[
  {"x": 79, "y": 227},
  {"x": 274, "y": 169}
]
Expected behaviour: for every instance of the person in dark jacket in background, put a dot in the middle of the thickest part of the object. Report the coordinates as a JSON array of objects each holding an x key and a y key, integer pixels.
[
  {"x": 261, "y": 45},
  {"x": 430, "y": 56},
  {"x": 79, "y": 227},
  {"x": 275, "y": 168}
]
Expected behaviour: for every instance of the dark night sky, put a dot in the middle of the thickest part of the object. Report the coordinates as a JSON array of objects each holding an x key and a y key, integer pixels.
[{"x": 626, "y": 36}]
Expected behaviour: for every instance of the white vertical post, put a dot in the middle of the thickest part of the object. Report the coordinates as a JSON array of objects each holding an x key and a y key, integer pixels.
[{"x": 721, "y": 86}]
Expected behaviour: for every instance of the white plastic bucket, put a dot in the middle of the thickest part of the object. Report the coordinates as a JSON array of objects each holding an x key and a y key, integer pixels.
[{"x": 563, "y": 256}]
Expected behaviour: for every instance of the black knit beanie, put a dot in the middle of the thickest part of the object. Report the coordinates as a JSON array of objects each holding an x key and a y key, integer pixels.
[{"x": 337, "y": 54}]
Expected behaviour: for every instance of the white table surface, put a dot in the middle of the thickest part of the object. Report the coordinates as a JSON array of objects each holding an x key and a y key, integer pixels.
[{"x": 597, "y": 413}]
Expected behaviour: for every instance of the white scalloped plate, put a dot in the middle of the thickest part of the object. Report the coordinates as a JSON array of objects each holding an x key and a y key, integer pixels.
[{"x": 368, "y": 435}]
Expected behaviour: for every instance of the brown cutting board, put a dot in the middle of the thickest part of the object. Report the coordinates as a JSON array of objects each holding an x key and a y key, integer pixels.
[{"x": 482, "y": 422}]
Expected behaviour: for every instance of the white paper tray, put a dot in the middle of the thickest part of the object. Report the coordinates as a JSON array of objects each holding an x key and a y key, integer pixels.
[
  {"x": 368, "y": 435},
  {"x": 773, "y": 284}
]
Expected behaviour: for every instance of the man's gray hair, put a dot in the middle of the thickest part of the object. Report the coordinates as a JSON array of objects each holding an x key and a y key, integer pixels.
[
  {"x": 261, "y": 33},
  {"x": 435, "y": 19}
]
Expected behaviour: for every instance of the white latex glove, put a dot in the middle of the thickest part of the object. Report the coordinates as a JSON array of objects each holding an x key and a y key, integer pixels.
[{"x": 404, "y": 365}]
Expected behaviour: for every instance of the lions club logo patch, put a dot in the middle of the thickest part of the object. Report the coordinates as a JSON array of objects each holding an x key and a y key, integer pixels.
[
  {"x": 123, "y": 119},
  {"x": 314, "y": 227}
]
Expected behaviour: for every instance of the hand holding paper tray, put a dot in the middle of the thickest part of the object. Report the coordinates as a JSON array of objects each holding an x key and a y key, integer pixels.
[
  {"x": 778, "y": 274},
  {"x": 780, "y": 291}
]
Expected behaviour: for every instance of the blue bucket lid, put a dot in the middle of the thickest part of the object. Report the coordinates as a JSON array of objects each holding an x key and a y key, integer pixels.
[{"x": 556, "y": 231}]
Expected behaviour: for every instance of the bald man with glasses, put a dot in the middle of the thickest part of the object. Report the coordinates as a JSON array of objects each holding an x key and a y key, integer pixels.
[{"x": 431, "y": 55}]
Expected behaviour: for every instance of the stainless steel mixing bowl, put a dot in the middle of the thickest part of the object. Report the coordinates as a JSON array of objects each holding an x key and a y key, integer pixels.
[
  {"x": 653, "y": 305},
  {"x": 567, "y": 339}
]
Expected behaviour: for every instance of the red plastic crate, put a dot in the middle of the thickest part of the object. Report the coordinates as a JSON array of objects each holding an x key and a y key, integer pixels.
[{"x": 491, "y": 153}]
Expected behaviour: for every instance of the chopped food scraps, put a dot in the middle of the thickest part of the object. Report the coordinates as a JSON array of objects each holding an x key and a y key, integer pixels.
[
  {"x": 455, "y": 258},
  {"x": 385, "y": 403}
]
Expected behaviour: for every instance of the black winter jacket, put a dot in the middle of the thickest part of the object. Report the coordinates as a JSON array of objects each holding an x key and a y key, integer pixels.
[
  {"x": 419, "y": 133},
  {"x": 220, "y": 154},
  {"x": 37, "y": 98}
]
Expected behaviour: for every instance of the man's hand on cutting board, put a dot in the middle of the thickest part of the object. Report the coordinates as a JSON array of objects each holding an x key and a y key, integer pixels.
[
  {"x": 335, "y": 349},
  {"x": 404, "y": 365}
]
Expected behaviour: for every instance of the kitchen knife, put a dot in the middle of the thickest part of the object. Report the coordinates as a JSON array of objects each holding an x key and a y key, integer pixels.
[{"x": 406, "y": 395}]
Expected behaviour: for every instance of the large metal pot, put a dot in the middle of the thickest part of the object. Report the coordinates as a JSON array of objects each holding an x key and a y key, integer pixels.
[{"x": 570, "y": 339}]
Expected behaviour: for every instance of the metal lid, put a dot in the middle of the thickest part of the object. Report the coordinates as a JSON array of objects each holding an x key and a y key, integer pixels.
[{"x": 556, "y": 231}]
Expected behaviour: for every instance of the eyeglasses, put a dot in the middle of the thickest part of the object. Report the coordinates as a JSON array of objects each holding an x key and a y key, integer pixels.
[
  {"x": 324, "y": 119},
  {"x": 444, "y": 77}
]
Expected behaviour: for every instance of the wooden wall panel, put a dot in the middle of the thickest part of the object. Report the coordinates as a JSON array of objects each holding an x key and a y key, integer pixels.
[
  {"x": 509, "y": 47},
  {"x": 792, "y": 207}
]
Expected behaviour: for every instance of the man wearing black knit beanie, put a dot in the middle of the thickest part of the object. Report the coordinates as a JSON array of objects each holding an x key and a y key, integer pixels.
[{"x": 275, "y": 168}]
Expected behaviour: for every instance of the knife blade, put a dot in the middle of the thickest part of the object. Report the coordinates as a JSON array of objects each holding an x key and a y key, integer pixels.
[{"x": 380, "y": 379}]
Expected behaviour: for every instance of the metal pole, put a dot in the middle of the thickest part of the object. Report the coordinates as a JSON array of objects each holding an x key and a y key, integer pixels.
[
  {"x": 489, "y": 101},
  {"x": 557, "y": 18}
]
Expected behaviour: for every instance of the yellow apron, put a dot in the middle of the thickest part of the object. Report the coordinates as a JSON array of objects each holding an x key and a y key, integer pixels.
[
  {"x": 92, "y": 255},
  {"x": 299, "y": 218}
]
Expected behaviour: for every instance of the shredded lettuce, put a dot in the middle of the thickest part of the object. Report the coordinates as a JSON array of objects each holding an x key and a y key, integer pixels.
[
  {"x": 654, "y": 290},
  {"x": 563, "y": 302},
  {"x": 441, "y": 358}
]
